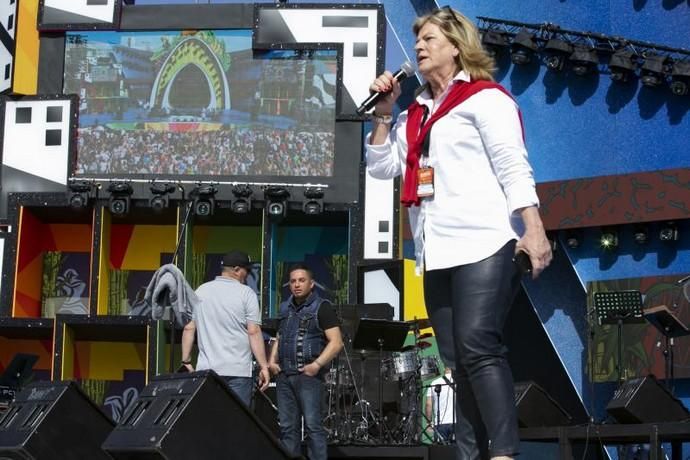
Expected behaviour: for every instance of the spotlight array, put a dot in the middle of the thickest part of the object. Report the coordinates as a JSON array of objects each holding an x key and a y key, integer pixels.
[
  {"x": 276, "y": 202},
  {"x": 313, "y": 201},
  {"x": 657, "y": 65},
  {"x": 204, "y": 203},
  {"x": 160, "y": 198},
  {"x": 242, "y": 203},
  {"x": 120, "y": 197},
  {"x": 79, "y": 194},
  {"x": 609, "y": 239}
]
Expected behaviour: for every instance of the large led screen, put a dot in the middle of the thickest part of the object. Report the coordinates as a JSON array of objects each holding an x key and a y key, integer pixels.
[{"x": 200, "y": 103}]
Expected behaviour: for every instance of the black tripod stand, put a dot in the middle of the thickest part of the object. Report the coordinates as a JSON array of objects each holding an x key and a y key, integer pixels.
[
  {"x": 619, "y": 307},
  {"x": 380, "y": 335},
  {"x": 671, "y": 327}
]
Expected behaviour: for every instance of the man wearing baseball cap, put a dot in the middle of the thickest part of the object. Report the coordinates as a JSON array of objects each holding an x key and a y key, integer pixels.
[{"x": 227, "y": 325}]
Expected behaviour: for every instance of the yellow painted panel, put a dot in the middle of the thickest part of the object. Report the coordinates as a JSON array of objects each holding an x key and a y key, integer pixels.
[
  {"x": 109, "y": 360},
  {"x": 29, "y": 283},
  {"x": 27, "y": 48},
  {"x": 104, "y": 265},
  {"x": 146, "y": 244},
  {"x": 414, "y": 293}
]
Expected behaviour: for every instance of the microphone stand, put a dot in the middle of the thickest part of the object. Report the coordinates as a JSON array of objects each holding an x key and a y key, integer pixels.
[{"x": 183, "y": 232}]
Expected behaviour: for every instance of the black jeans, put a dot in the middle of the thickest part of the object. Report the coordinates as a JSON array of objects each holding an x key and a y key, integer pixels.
[{"x": 467, "y": 306}]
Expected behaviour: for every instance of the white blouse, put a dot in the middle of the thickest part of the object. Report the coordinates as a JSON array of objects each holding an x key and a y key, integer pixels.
[{"x": 481, "y": 177}]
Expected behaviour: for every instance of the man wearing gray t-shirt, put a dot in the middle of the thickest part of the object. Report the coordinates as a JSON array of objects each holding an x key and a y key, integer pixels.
[{"x": 227, "y": 325}]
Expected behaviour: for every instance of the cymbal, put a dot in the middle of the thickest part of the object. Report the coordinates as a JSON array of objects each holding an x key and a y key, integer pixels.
[
  {"x": 421, "y": 323},
  {"x": 426, "y": 335},
  {"x": 423, "y": 344}
]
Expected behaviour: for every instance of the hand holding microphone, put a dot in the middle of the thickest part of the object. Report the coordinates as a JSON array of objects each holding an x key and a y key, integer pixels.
[{"x": 386, "y": 84}]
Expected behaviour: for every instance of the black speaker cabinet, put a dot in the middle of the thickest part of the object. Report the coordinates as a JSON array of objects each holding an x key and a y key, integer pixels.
[
  {"x": 194, "y": 415},
  {"x": 53, "y": 420},
  {"x": 536, "y": 408},
  {"x": 645, "y": 400}
]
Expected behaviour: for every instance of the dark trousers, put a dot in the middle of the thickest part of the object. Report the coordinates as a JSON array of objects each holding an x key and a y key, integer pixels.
[
  {"x": 467, "y": 306},
  {"x": 300, "y": 396}
]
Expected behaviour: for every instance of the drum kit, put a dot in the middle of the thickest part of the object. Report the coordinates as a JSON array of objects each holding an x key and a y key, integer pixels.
[{"x": 374, "y": 389}]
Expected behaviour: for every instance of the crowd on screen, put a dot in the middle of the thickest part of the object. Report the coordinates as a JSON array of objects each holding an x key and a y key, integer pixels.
[{"x": 230, "y": 151}]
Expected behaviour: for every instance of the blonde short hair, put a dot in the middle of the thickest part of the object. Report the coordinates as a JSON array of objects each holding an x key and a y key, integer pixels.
[{"x": 462, "y": 33}]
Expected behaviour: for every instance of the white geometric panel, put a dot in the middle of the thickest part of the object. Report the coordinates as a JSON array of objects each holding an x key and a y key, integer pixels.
[
  {"x": 8, "y": 25},
  {"x": 378, "y": 218},
  {"x": 36, "y": 137},
  {"x": 6, "y": 66},
  {"x": 8, "y": 16},
  {"x": 379, "y": 288},
  {"x": 356, "y": 28},
  {"x": 75, "y": 13}
]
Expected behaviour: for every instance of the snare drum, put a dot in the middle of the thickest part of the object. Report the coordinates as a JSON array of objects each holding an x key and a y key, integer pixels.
[
  {"x": 403, "y": 365},
  {"x": 429, "y": 367}
]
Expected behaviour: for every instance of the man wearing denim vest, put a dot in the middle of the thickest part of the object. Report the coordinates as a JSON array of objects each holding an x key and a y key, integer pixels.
[{"x": 308, "y": 339}]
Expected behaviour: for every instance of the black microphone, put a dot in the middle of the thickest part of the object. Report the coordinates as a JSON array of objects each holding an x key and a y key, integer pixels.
[{"x": 406, "y": 70}]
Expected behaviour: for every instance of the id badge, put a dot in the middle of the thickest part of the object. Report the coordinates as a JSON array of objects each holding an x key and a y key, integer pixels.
[{"x": 425, "y": 182}]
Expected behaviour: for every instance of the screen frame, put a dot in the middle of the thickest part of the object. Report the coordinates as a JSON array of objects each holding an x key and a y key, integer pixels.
[{"x": 341, "y": 188}]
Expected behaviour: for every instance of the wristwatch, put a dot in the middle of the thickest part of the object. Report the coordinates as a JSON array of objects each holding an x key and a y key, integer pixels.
[{"x": 384, "y": 119}]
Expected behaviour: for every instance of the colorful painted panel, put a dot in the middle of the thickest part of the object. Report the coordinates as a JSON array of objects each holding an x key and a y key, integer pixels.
[
  {"x": 610, "y": 200},
  {"x": 642, "y": 344},
  {"x": 35, "y": 239}
]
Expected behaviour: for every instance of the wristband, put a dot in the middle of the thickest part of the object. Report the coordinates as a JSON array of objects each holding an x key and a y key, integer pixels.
[
  {"x": 188, "y": 361},
  {"x": 318, "y": 363},
  {"x": 383, "y": 119}
]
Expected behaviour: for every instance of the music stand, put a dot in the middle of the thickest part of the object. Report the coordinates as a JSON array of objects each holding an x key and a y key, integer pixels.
[
  {"x": 671, "y": 327},
  {"x": 382, "y": 335},
  {"x": 618, "y": 307}
]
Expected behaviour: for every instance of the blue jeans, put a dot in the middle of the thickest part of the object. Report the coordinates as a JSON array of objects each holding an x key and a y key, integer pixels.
[
  {"x": 242, "y": 387},
  {"x": 467, "y": 306},
  {"x": 300, "y": 396}
]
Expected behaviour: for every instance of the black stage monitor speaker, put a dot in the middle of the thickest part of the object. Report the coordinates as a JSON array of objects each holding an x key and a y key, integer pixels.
[
  {"x": 53, "y": 420},
  {"x": 536, "y": 408},
  {"x": 193, "y": 415},
  {"x": 645, "y": 400}
]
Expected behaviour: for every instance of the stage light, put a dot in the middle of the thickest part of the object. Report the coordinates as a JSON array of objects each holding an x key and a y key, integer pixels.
[
  {"x": 313, "y": 201},
  {"x": 494, "y": 42},
  {"x": 641, "y": 234},
  {"x": 668, "y": 232},
  {"x": 204, "y": 200},
  {"x": 609, "y": 239},
  {"x": 120, "y": 196},
  {"x": 573, "y": 238},
  {"x": 276, "y": 202},
  {"x": 556, "y": 51},
  {"x": 160, "y": 198},
  {"x": 680, "y": 78},
  {"x": 523, "y": 47},
  {"x": 79, "y": 194},
  {"x": 584, "y": 60},
  {"x": 242, "y": 203},
  {"x": 652, "y": 70},
  {"x": 621, "y": 66}
]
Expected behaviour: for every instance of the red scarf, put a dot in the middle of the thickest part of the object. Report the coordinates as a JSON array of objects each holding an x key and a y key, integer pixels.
[{"x": 459, "y": 92}]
